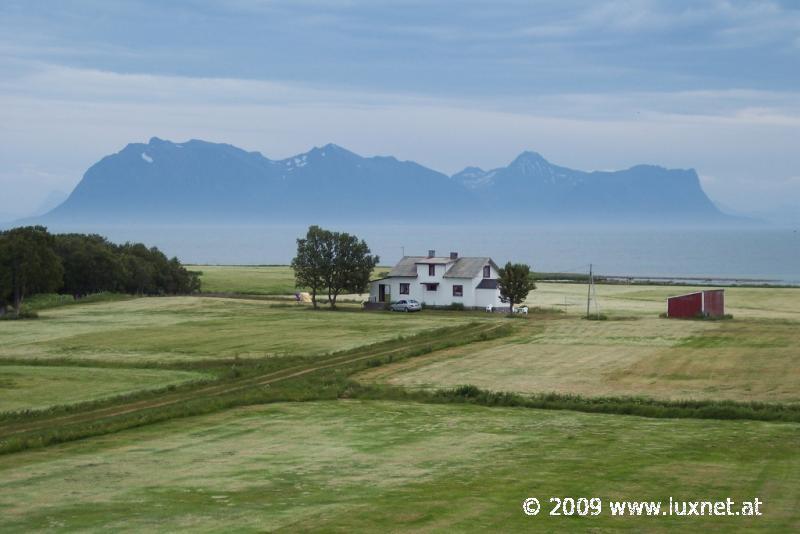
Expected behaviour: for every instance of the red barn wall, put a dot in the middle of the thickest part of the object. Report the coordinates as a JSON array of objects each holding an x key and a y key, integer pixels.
[
  {"x": 685, "y": 306},
  {"x": 714, "y": 302}
]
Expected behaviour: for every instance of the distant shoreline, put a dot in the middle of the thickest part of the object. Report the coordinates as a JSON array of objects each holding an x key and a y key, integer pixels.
[{"x": 576, "y": 278}]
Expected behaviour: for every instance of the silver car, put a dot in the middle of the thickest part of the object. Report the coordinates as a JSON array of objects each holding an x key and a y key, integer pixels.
[{"x": 406, "y": 306}]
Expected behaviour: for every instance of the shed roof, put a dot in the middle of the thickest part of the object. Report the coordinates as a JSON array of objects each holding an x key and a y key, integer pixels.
[
  {"x": 693, "y": 293},
  {"x": 696, "y": 293}
]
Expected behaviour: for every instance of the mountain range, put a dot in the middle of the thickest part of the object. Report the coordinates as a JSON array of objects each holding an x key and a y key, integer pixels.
[{"x": 198, "y": 181}]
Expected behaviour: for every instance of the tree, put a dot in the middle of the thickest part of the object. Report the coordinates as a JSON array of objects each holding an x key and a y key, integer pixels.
[
  {"x": 148, "y": 271},
  {"x": 332, "y": 261},
  {"x": 33, "y": 261},
  {"x": 181, "y": 280},
  {"x": 515, "y": 282},
  {"x": 28, "y": 264},
  {"x": 352, "y": 266},
  {"x": 314, "y": 260},
  {"x": 91, "y": 264}
]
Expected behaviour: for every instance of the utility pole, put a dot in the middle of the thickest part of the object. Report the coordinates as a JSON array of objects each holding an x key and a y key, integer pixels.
[
  {"x": 403, "y": 250},
  {"x": 589, "y": 292}
]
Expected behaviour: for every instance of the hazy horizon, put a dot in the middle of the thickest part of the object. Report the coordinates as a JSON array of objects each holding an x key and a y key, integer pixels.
[{"x": 733, "y": 252}]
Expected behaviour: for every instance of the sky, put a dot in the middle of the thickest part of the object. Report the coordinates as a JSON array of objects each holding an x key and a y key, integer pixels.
[{"x": 594, "y": 85}]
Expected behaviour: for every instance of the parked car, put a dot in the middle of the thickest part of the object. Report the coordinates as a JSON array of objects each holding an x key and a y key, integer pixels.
[{"x": 406, "y": 306}]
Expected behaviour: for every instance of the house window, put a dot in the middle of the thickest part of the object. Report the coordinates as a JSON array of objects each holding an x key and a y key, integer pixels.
[
  {"x": 431, "y": 270},
  {"x": 404, "y": 289},
  {"x": 487, "y": 271},
  {"x": 458, "y": 291},
  {"x": 431, "y": 287}
]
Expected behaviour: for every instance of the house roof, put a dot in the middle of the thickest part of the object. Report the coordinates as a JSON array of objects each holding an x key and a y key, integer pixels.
[
  {"x": 407, "y": 266},
  {"x": 487, "y": 283},
  {"x": 435, "y": 260},
  {"x": 460, "y": 268},
  {"x": 468, "y": 267}
]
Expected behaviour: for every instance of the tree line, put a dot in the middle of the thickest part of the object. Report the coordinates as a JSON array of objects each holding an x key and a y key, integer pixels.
[{"x": 32, "y": 261}]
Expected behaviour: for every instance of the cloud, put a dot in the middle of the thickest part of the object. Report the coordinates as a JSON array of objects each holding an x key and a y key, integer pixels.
[
  {"x": 55, "y": 82},
  {"x": 455, "y": 48},
  {"x": 605, "y": 84}
]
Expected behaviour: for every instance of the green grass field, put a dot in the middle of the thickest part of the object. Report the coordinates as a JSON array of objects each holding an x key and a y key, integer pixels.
[
  {"x": 358, "y": 465},
  {"x": 378, "y": 466},
  {"x": 741, "y": 360},
  {"x": 171, "y": 329},
  {"x": 753, "y": 357},
  {"x": 250, "y": 279},
  {"x": 25, "y": 387},
  {"x": 620, "y": 299},
  {"x": 246, "y": 279}
]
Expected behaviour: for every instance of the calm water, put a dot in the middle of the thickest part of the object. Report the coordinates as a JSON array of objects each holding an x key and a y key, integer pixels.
[{"x": 751, "y": 253}]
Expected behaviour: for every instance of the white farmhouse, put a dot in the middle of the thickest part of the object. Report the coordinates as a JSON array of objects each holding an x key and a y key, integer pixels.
[{"x": 440, "y": 281}]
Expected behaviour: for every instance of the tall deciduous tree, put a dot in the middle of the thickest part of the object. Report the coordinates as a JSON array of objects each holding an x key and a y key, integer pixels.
[
  {"x": 515, "y": 282},
  {"x": 314, "y": 260},
  {"x": 91, "y": 264},
  {"x": 29, "y": 264},
  {"x": 352, "y": 266},
  {"x": 33, "y": 261},
  {"x": 332, "y": 261}
]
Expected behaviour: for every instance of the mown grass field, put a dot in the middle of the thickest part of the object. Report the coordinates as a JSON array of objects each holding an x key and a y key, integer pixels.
[
  {"x": 646, "y": 300},
  {"x": 250, "y": 279},
  {"x": 246, "y": 279},
  {"x": 217, "y": 463},
  {"x": 740, "y": 360},
  {"x": 378, "y": 466},
  {"x": 172, "y": 329},
  {"x": 617, "y": 299},
  {"x": 754, "y": 357},
  {"x": 25, "y": 387}
]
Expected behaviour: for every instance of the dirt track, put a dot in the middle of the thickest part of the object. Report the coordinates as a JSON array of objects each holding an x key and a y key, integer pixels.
[{"x": 217, "y": 389}]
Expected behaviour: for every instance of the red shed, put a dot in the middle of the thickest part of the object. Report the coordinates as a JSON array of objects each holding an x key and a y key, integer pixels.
[
  {"x": 714, "y": 302},
  {"x": 707, "y": 303}
]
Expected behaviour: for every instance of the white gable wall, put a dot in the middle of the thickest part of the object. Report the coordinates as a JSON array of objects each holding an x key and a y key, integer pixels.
[{"x": 443, "y": 295}]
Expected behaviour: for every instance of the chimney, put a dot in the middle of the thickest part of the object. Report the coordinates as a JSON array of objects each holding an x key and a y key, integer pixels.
[
  {"x": 431, "y": 253},
  {"x": 454, "y": 255}
]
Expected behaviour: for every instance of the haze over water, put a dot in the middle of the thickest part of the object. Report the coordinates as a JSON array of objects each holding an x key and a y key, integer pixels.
[{"x": 731, "y": 253}]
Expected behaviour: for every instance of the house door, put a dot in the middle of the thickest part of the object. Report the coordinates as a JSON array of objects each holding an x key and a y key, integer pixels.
[{"x": 382, "y": 291}]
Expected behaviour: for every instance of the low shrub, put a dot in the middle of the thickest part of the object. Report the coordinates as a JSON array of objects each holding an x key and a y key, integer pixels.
[
  {"x": 542, "y": 310},
  {"x": 44, "y": 301},
  {"x": 641, "y": 406},
  {"x": 596, "y": 317},
  {"x": 23, "y": 314},
  {"x": 468, "y": 391}
]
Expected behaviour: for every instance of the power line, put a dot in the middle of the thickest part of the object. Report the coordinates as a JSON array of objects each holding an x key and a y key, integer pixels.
[{"x": 591, "y": 295}]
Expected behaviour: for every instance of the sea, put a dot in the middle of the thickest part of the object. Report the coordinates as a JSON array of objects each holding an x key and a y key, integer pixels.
[{"x": 735, "y": 255}]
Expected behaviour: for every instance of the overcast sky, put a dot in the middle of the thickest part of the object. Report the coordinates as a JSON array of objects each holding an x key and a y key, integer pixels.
[{"x": 589, "y": 84}]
